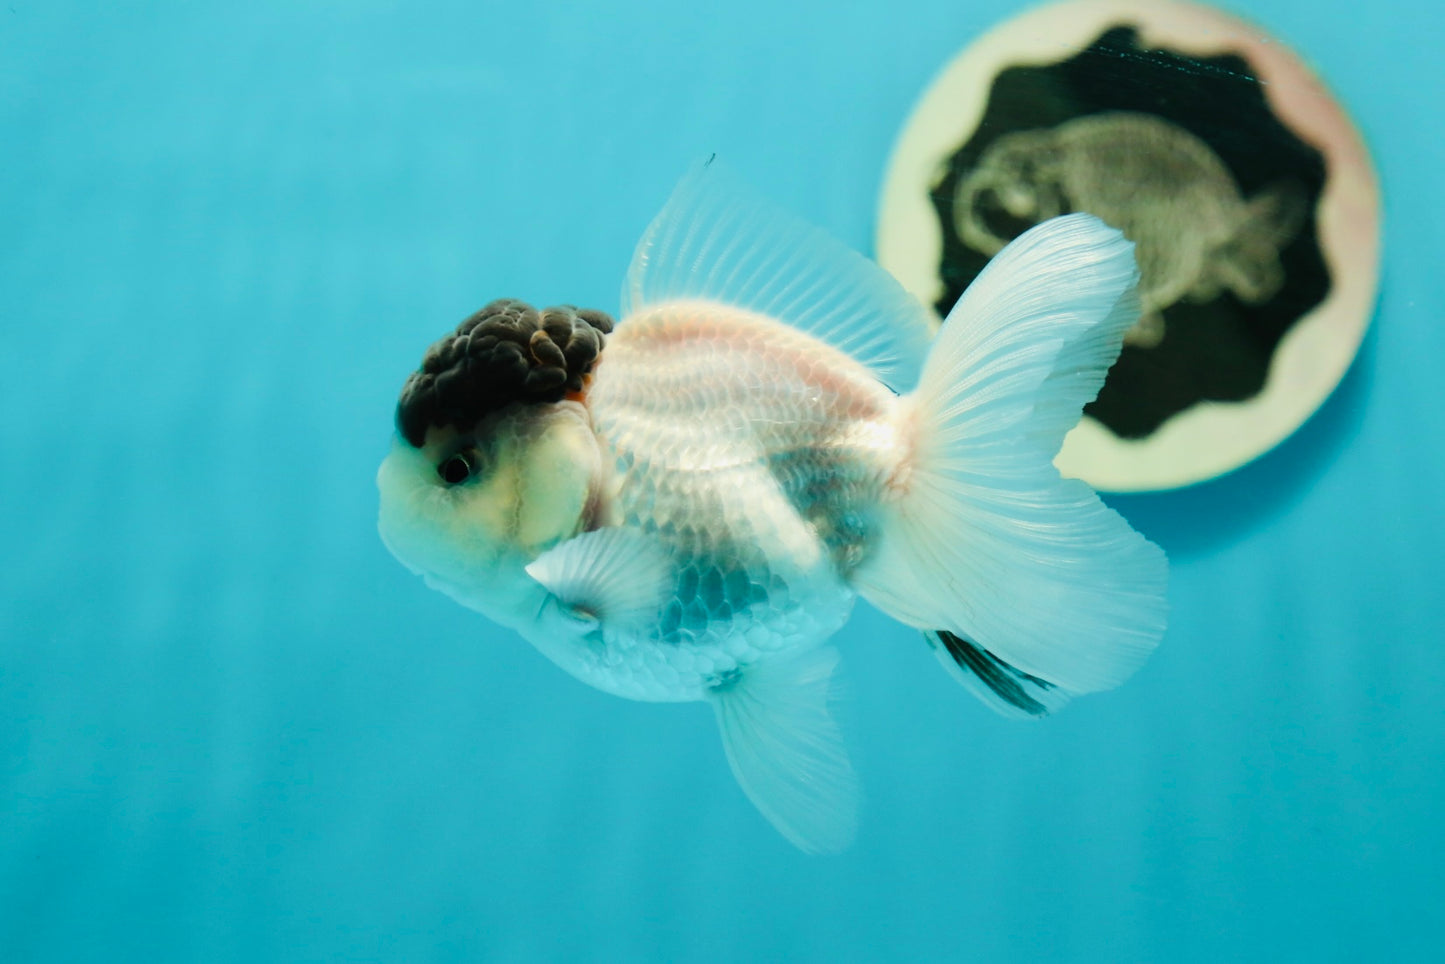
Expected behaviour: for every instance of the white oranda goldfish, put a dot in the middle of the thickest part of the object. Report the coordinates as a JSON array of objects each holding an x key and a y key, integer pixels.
[{"x": 685, "y": 507}]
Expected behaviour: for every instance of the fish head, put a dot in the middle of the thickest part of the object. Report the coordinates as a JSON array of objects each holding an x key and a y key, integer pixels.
[
  {"x": 469, "y": 509},
  {"x": 495, "y": 460}
]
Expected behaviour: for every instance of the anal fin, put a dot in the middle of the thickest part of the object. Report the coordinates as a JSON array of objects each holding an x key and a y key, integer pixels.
[
  {"x": 786, "y": 750},
  {"x": 1007, "y": 689}
]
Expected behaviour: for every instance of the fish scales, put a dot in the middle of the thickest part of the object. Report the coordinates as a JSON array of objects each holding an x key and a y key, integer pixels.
[{"x": 758, "y": 456}]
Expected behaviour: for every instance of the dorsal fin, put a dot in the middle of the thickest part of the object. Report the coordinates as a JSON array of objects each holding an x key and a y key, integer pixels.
[{"x": 717, "y": 240}]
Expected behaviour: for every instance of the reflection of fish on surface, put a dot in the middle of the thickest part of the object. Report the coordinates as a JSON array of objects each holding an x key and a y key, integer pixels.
[
  {"x": 684, "y": 508},
  {"x": 1163, "y": 187}
]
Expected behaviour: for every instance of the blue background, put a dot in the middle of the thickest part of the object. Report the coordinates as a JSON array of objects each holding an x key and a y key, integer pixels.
[{"x": 232, "y": 728}]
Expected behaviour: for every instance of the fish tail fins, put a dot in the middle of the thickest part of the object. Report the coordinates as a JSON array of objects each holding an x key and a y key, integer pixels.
[
  {"x": 1030, "y": 588},
  {"x": 786, "y": 750},
  {"x": 1248, "y": 262},
  {"x": 1006, "y": 689}
]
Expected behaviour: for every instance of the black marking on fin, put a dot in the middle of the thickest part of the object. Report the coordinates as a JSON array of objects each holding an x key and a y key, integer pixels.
[
  {"x": 1006, "y": 681},
  {"x": 724, "y": 681}
]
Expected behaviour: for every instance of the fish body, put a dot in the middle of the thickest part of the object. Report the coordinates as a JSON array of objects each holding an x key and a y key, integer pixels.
[
  {"x": 754, "y": 458},
  {"x": 686, "y": 507}
]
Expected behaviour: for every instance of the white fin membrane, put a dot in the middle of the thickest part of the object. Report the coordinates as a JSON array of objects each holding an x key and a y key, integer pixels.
[
  {"x": 716, "y": 240},
  {"x": 987, "y": 541},
  {"x": 616, "y": 575},
  {"x": 1044, "y": 322},
  {"x": 787, "y": 752}
]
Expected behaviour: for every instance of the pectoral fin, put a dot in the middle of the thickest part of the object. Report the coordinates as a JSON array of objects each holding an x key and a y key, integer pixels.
[
  {"x": 786, "y": 751},
  {"x": 618, "y": 576}
]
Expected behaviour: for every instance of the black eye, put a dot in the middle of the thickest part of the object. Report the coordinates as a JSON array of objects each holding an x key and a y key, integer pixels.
[{"x": 457, "y": 468}]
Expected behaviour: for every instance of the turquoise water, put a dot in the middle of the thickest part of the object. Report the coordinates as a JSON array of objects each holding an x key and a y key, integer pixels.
[{"x": 233, "y": 728}]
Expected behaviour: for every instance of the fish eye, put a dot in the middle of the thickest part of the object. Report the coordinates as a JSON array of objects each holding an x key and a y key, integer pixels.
[{"x": 460, "y": 466}]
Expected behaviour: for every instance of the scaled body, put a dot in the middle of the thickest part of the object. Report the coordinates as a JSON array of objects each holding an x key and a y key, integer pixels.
[{"x": 756, "y": 457}]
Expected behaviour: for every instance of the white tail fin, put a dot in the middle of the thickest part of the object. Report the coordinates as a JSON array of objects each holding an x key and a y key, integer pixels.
[
  {"x": 986, "y": 541},
  {"x": 1005, "y": 689}
]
